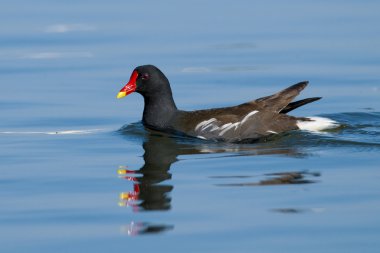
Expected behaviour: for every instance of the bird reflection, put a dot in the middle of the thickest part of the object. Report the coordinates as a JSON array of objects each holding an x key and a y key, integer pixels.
[
  {"x": 151, "y": 191},
  {"x": 151, "y": 183}
]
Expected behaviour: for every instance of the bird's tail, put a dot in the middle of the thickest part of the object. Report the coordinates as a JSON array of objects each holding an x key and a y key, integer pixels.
[{"x": 296, "y": 104}]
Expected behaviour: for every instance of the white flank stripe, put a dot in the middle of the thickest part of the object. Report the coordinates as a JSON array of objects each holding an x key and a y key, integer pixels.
[
  {"x": 317, "y": 124},
  {"x": 225, "y": 125},
  {"x": 272, "y": 132},
  {"x": 248, "y": 115},
  {"x": 204, "y": 123},
  {"x": 207, "y": 124},
  {"x": 230, "y": 125},
  {"x": 214, "y": 128}
]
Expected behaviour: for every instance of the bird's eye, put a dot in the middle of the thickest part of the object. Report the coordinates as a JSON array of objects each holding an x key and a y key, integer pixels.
[{"x": 145, "y": 76}]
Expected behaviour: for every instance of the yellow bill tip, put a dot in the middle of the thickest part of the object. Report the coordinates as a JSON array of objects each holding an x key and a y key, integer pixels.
[
  {"x": 124, "y": 195},
  {"x": 121, "y": 94},
  {"x": 121, "y": 171}
]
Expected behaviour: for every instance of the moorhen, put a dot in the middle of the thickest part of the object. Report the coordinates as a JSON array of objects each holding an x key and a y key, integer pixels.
[{"x": 248, "y": 121}]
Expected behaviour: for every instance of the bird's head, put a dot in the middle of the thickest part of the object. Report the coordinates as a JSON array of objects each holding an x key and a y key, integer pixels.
[{"x": 146, "y": 79}]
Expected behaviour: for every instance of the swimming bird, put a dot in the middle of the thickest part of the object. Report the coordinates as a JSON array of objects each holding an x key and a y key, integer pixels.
[{"x": 244, "y": 122}]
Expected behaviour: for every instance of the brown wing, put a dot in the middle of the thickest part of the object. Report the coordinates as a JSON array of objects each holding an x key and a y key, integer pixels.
[
  {"x": 250, "y": 120},
  {"x": 280, "y": 100}
]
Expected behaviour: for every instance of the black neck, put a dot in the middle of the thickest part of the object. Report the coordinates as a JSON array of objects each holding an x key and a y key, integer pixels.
[{"x": 159, "y": 108}]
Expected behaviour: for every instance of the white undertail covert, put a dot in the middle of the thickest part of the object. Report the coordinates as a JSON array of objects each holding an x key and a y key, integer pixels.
[{"x": 317, "y": 124}]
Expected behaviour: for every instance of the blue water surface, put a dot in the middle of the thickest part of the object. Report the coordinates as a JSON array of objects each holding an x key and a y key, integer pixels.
[{"x": 79, "y": 173}]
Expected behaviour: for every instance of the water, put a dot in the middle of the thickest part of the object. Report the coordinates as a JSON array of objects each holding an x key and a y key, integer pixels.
[{"x": 64, "y": 137}]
